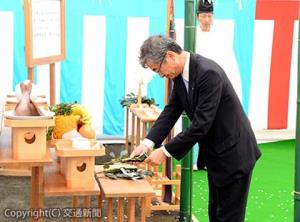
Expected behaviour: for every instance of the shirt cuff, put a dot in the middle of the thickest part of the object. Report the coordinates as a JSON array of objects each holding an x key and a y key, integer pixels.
[
  {"x": 148, "y": 143},
  {"x": 166, "y": 152}
]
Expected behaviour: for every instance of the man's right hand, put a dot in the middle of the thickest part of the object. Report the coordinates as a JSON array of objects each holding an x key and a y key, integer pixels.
[{"x": 142, "y": 148}]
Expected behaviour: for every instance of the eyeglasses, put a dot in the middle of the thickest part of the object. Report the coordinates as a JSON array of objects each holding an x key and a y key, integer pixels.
[{"x": 159, "y": 67}]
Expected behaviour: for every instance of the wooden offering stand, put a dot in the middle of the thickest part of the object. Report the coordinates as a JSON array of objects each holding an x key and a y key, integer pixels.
[
  {"x": 121, "y": 189},
  {"x": 29, "y": 137},
  {"x": 144, "y": 116},
  {"x": 159, "y": 180},
  {"x": 27, "y": 148},
  {"x": 74, "y": 176},
  {"x": 141, "y": 114},
  {"x": 78, "y": 164},
  {"x": 10, "y": 105}
]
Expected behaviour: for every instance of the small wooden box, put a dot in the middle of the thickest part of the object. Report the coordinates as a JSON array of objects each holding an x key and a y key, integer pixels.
[
  {"x": 29, "y": 137},
  {"x": 77, "y": 164}
]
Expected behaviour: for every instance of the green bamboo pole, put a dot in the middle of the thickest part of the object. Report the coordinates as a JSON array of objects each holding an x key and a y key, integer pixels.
[
  {"x": 185, "y": 214},
  {"x": 297, "y": 152},
  {"x": 189, "y": 25},
  {"x": 186, "y": 180}
]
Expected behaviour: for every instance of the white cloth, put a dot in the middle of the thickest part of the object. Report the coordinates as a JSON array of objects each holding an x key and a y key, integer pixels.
[{"x": 220, "y": 36}]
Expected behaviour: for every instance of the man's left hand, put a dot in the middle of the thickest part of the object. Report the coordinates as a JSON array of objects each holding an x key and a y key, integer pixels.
[{"x": 156, "y": 157}]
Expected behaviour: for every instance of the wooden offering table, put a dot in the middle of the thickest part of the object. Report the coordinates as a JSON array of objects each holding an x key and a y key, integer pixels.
[
  {"x": 55, "y": 185},
  {"x": 121, "y": 188},
  {"x": 145, "y": 115},
  {"x": 24, "y": 145},
  {"x": 78, "y": 164},
  {"x": 74, "y": 176},
  {"x": 37, "y": 182}
]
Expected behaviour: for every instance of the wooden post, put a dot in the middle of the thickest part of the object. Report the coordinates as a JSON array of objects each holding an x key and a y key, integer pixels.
[
  {"x": 132, "y": 145},
  {"x": 167, "y": 82},
  {"x": 86, "y": 205},
  {"x": 148, "y": 205},
  {"x": 178, "y": 177},
  {"x": 30, "y": 74},
  {"x": 131, "y": 209},
  {"x": 120, "y": 209},
  {"x": 109, "y": 210},
  {"x": 138, "y": 131},
  {"x": 127, "y": 128},
  {"x": 100, "y": 206},
  {"x": 52, "y": 84},
  {"x": 167, "y": 169},
  {"x": 139, "y": 96},
  {"x": 74, "y": 206},
  {"x": 144, "y": 130},
  {"x": 37, "y": 190},
  {"x": 143, "y": 209}
]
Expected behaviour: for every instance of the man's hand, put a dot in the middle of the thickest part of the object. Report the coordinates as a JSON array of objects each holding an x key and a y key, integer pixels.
[
  {"x": 156, "y": 157},
  {"x": 142, "y": 148}
]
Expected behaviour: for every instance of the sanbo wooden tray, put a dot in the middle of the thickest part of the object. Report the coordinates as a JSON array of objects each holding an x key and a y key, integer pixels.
[{"x": 64, "y": 148}]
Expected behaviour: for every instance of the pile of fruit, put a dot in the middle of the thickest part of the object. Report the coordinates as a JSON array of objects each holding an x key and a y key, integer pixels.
[{"x": 71, "y": 116}]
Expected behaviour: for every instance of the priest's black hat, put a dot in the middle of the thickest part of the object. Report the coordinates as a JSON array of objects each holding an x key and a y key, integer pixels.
[{"x": 205, "y": 6}]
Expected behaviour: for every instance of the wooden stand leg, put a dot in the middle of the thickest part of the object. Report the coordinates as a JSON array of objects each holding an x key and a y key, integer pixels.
[
  {"x": 148, "y": 206},
  {"x": 131, "y": 209},
  {"x": 74, "y": 202},
  {"x": 37, "y": 196},
  {"x": 74, "y": 206},
  {"x": 86, "y": 205},
  {"x": 132, "y": 133},
  {"x": 143, "y": 209},
  {"x": 120, "y": 209},
  {"x": 30, "y": 74},
  {"x": 109, "y": 210},
  {"x": 126, "y": 129},
  {"x": 144, "y": 130},
  {"x": 100, "y": 207},
  {"x": 52, "y": 84},
  {"x": 138, "y": 131},
  {"x": 178, "y": 177}
]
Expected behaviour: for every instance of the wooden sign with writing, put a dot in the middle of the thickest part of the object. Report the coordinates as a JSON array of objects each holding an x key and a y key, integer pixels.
[{"x": 44, "y": 31}]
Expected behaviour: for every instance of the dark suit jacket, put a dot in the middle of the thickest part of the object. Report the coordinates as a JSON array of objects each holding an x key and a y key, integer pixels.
[{"x": 218, "y": 122}]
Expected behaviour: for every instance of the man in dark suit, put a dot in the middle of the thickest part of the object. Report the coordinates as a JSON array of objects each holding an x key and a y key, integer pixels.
[{"x": 218, "y": 124}]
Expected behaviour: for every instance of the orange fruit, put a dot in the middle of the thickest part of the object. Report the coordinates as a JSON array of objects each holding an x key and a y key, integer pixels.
[{"x": 87, "y": 131}]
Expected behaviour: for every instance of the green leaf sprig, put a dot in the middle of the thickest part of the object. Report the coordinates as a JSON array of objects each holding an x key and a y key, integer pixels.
[
  {"x": 62, "y": 109},
  {"x": 131, "y": 98}
]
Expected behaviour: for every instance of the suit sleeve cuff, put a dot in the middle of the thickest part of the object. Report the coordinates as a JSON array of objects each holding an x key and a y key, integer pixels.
[
  {"x": 166, "y": 152},
  {"x": 150, "y": 144}
]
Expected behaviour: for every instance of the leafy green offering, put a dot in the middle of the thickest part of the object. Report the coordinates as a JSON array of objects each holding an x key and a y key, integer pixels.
[
  {"x": 62, "y": 109},
  {"x": 139, "y": 158},
  {"x": 125, "y": 171},
  {"x": 118, "y": 168},
  {"x": 131, "y": 98}
]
